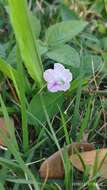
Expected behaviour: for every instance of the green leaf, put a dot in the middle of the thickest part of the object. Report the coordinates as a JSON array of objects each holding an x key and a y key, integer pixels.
[
  {"x": 10, "y": 164},
  {"x": 90, "y": 62},
  {"x": 35, "y": 24},
  {"x": 90, "y": 41},
  {"x": 1, "y": 186},
  {"x": 7, "y": 69},
  {"x": 65, "y": 55},
  {"x": 104, "y": 43},
  {"x": 64, "y": 31},
  {"x": 20, "y": 18},
  {"x": 22, "y": 102},
  {"x": 68, "y": 14},
  {"x": 12, "y": 145},
  {"x": 12, "y": 73},
  {"x": 2, "y": 51},
  {"x": 97, "y": 6},
  {"x": 51, "y": 100},
  {"x": 42, "y": 48},
  {"x": 11, "y": 59}
]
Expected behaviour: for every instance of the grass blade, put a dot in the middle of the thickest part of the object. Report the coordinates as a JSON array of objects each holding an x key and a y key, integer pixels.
[
  {"x": 12, "y": 147},
  {"x": 26, "y": 39},
  {"x": 85, "y": 121},
  {"x": 22, "y": 102}
]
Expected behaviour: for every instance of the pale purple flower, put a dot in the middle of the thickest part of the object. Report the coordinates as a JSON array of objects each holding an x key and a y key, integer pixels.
[{"x": 58, "y": 79}]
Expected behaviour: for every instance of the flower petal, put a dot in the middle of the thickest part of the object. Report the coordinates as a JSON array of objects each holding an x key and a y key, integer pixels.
[
  {"x": 58, "y": 67},
  {"x": 53, "y": 87},
  {"x": 67, "y": 75},
  {"x": 49, "y": 75},
  {"x": 62, "y": 73},
  {"x": 65, "y": 86}
]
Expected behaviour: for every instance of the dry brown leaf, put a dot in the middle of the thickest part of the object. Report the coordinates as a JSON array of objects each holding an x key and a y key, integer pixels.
[
  {"x": 53, "y": 166},
  {"x": 89, "y": 159}
]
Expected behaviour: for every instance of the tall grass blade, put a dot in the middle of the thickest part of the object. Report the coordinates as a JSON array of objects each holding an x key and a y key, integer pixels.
[
  {"x": 20, "y": 18},
  {"x": 85, "y": 121},
  {"x": 22, "y": 102}
]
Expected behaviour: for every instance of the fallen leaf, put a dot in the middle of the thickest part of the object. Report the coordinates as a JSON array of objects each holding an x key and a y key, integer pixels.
[
  {"x": 88, "y": 158},
  {"x": 52, "y": 168}
]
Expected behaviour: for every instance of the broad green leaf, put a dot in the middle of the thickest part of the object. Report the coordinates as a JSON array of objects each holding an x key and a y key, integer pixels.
[
  {"x": 91, "y": 62},
  {"x": 64, "y": 31},
  {"x": 90, "y": 41},
  {"x": 42, "y": 48},
  {"x": 51, "y": 100},
  {"x": 20, "y": 18},
  {"x": 104, "y": 43},
  {"x": 65, "y": 55},
  {"x": 68, "y": 14},
  {"x": 35, "y": 24},
  {"x": 11, "y": 59},
  {"x": 97, "y": 6},
  {"x": 2, "y": 51},
  {"x": 105, "y": 61}
]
